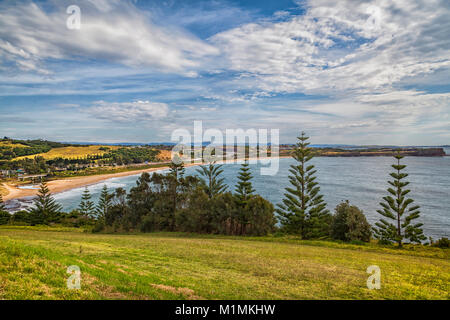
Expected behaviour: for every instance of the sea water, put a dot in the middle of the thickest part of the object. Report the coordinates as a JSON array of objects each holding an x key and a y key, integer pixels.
[{"x": 361, "y": 180}]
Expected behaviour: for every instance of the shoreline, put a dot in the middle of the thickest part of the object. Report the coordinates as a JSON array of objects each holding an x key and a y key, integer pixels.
[{"x": 62, "y": 185}]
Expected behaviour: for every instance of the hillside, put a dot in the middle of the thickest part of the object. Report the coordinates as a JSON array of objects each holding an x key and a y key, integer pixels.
[
  {"x": 56, "y": 159},
  {"x": 33, "y": 264},
  {"x": 11, "y": 148},
  {"x": 72, "y": 152}
]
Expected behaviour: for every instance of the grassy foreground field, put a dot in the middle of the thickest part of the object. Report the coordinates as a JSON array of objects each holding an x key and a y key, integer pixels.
[{"x": 33, "y": 263}]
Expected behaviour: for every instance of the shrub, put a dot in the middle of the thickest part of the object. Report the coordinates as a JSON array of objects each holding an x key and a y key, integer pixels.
[
  {"x": 76, "y": 219},
  {"x": 260, "y": 217},
  {"x": 350, "y": 224},
  {"x": 22, "y": 217},
  {"x": 98, "y": 227},
  {"x": 197, "y": 216},
  {"x": 442, "y": 243},
  {"x": 4, "y": 217},
  {"x": 148, "y": 223}
]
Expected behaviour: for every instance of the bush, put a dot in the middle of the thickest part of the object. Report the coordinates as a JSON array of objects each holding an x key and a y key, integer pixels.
[
  {"x": 442, "y": 243},
  {"x": 197, "y": 216},
  {"x": 259, "y": 214},
  {"x": 350, "y": 224},
  {"x": 4, "y": 217},
  {"x": 22, "y": 217},
  {"x": 148, "y": 224},
  {"x": 76, "y": 219},
  {"x": 98, "y": 227}
]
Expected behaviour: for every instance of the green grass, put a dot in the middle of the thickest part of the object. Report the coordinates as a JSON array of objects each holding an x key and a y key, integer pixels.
[{"x": 33, "y": 262}]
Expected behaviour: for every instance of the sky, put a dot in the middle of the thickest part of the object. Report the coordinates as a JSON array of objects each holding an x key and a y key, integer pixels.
[{"x": 346, "y": 72}]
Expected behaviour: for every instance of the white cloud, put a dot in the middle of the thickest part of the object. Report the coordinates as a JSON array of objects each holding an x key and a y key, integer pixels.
[
  {"x": 129, "y": 111},
  {"x": 358, "y": 53},
  {"x": 344, "y": 45},
  {"x": 111, "y": 30}
]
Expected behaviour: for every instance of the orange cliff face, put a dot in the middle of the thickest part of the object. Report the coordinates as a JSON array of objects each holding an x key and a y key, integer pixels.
[{"x": 164, "y": 155}]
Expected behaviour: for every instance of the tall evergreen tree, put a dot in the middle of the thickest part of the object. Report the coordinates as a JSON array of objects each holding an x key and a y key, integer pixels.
[
  {"x": 303, "y": 210},
  {"x": 45, "y": 209},
  {"x": 212, "y": 184},
  {"x": 104, "y": 203},
  {"x": 176, "y": 182},
  {"x": 86, "y": 205},
  {"x": 176, "y": 170},
  {"x": 397, "y": 207},
  {"x": 243, "y": 194},
  {"x": 244, "y": 188}
]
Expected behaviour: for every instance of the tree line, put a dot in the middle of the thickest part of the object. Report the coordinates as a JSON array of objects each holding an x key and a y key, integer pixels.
[{"x": 204, "y": 204}]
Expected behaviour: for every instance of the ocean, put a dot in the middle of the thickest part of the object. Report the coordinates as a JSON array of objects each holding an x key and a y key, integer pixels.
[{"x": 361, "y": 180}]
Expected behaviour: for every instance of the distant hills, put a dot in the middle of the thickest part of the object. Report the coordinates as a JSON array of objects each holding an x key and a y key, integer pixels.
[{"x": 206, "y": 143}]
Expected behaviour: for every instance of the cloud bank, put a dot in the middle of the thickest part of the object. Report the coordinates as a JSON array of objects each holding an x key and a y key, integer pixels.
[
  {"x": 348, "y": 71},
  {"x": 112, "y": 31}
]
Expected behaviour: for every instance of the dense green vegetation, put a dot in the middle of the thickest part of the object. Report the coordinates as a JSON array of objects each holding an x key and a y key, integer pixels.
[
  {"x": 175, "y": 202},
  {"x": 130, "y": 155}
]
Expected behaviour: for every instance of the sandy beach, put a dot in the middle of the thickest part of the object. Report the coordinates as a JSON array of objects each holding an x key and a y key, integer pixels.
[{"x": 62, "y": 185}]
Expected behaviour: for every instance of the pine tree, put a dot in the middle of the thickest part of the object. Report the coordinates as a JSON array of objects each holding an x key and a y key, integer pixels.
[
  {"x": 244, "y": 188},
  {"x": 177, "y": 174},
  {"x": 213, "y": 185},
  {"x": 86, "y": 206},
  {"x": 244, "y": 193},
  {"x": 303, "y": 210},
  {"x": 45, "y": 209},
  {"x": 104, "y": 203},
  {"x": 176, "y": 170},
  {"x": 397, "y": 208}
]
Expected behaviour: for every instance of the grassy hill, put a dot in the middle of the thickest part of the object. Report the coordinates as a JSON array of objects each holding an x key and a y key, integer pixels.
[
  {"x": 42, "y": 156},
  {"x": 10, "y": 144},
  {"x": 33, "y": 264},
  {"x": 72, "y": 152},
  {"x": 11, "y": 148}
]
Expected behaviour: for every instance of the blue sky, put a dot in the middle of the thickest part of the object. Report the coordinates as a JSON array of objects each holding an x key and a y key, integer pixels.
[{"x": 351, "y": 72}]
